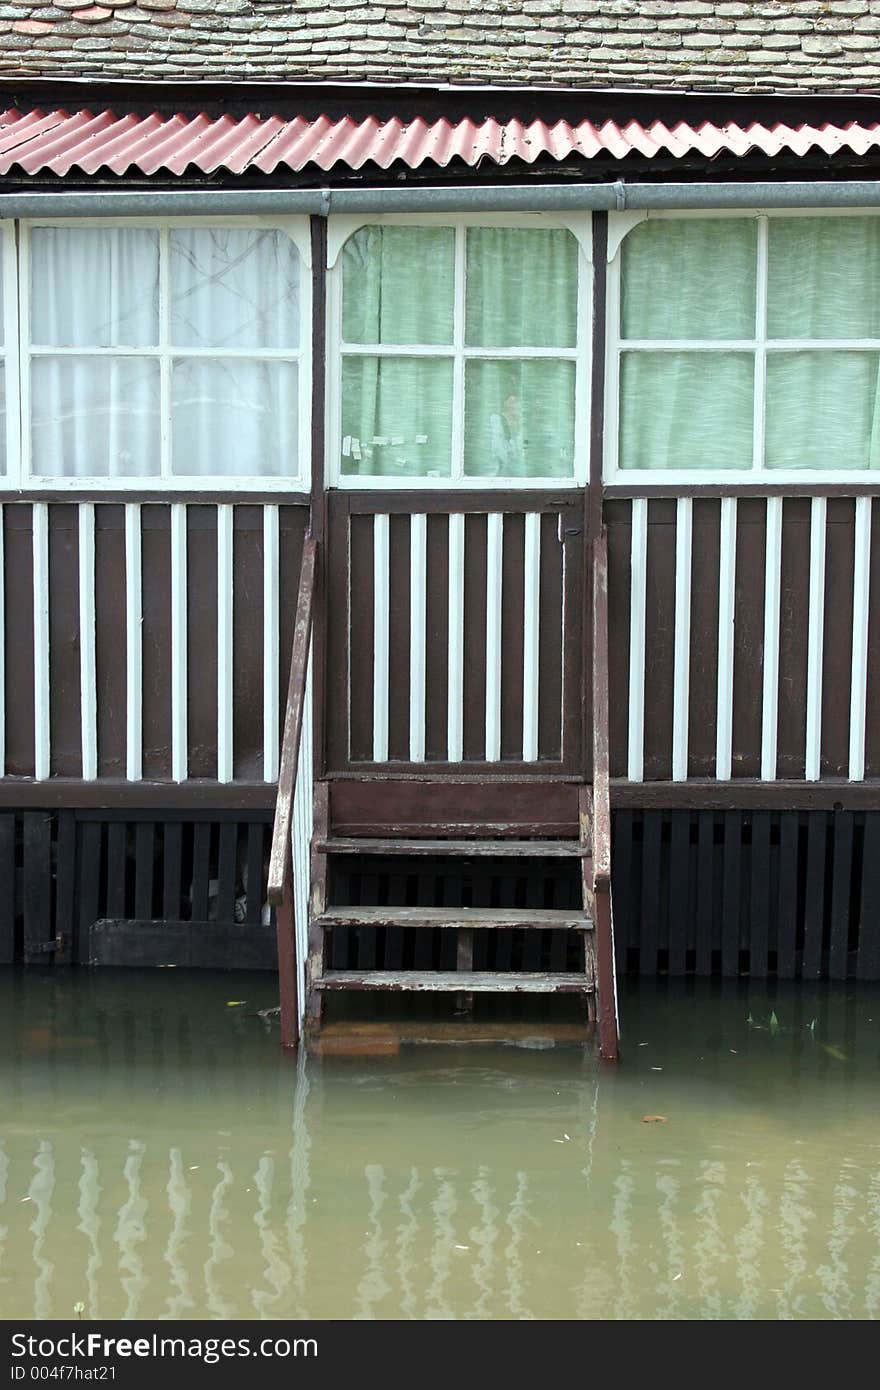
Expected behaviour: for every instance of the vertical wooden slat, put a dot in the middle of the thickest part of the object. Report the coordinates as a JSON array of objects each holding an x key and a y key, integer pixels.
[
  {"x": 838, "y": 958},
  {"x": 869, "y": 919},
  {"x": 201, "y": 866},
  {"x": 726, "y": 610},
  {"x": 19, "y": 640},
  {"x": 117, "y": 842},
  {"x": 513, "y": 634},
  {"x": 455, "y": 692},
  {"x": 679, "y": 891},
  {"x": 418, "y": 538},
  {"x": 861, "y": 610},
  {"x": 179, "y": 676},
  {"x": 41, "y": 641},
  {"x": 144, "y": 852},
  {"x": 88, "y": 695},
  {"x": 437, "y": 639},
  {"x": 638, "y": 582},
  {"x": 759, "y": 900},
  {"x": 814, "y": 906},
  {"x": 37, "y": 886},
  {"x": 380, "y": 637},
  {"x": 730, "y": 893},
  {"x": 271, "y": 746},
  {"x": 793, "y": 637},
  {"x": 659, "y": 639},
  {"x": 7, "y": 899},
  {"x": 476, "y": 623},
  {"x": 531, "y": 635},
  {"x": 494, "y": 537},
  {"x": 255, "y": 874},
  {"x": 770, "y": 684},
  {"x": 361, "y": 644},
  {"x": 225, "y": 583},
  {"x": 623, "y": 890},
  {"x": 564, "y": 703},
  {"x": 88, "y": 884},
  {"x": 748, "y": 637},
  {"x": 703, "y": 711},
  {"x": 681, "y": 679},
  {"x": 617, "y": 521},
  {"x": 815, "y": 638},
  {"x": 64, "y": 687},
  {"x": 156, "y": 642},
  {"x": 2, "y": 647},
  {"x": 227, "y": 871},
  {"x": 133, "y": 644},
  {"x": 651, "y": 843},
  {"x": 172, "y": 846},
  {"x": 248, "y": 666},
  {"x": 705, "y": 867},
  {"x": 838, "y": 636},
  {"x": 787, "y": 906},
  {"x": 399, "y": 637}
]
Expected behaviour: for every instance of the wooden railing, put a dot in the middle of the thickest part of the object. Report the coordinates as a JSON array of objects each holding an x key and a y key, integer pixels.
[
  {"x": 280, "y": 889},
  {"x": 601, "y": 820}
]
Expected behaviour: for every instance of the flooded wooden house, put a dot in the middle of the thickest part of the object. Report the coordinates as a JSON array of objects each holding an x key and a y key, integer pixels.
[{"x": 453, "y": 428}]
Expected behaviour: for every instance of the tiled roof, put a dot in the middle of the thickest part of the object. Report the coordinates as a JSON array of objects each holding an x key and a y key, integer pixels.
[{"x": 806, "y": 46}]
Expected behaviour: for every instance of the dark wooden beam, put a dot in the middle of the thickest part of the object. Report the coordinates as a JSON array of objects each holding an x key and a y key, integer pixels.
[
  {"x": 112, "y": 794},
  {"x": 746, "y": 794}
]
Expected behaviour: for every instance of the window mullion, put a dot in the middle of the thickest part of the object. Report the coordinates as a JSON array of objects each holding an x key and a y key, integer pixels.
[
  {"x": 760, "y": 345},
  {"x": 458, "y": 364},
  {"x": 164, "y": 359}
]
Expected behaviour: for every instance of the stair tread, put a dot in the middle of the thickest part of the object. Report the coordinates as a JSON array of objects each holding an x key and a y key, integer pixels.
[
  {"x": 477, "y": 917},
  {"x": 544, "y": 849},
  {"x": 458, "y": 982}
]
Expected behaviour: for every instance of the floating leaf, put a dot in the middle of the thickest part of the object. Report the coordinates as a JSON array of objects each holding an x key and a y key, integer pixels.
[
  {"x": 235, "y": 1003},
  {"x": 653, "y": 1119},
  {"x": 836, "y": 1052}
]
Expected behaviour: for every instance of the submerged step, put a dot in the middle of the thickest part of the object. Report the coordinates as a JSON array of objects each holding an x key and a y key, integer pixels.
[
  {"x": 476, "y": 917},
  {"x": 465, "y": 849},
  {"x": 457, "y": 981}
]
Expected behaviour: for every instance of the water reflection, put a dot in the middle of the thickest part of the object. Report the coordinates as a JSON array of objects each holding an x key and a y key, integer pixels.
[{"x": 159, "y": 1158}]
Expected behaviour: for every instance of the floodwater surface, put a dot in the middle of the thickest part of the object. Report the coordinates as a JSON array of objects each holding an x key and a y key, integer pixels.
[{"x": 160, "y": 1158}]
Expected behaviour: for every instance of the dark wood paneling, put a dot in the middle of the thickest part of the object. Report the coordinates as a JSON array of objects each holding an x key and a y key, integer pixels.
[
  {"x": 18, "y": 600},
  {"x": 7, "y": 898},
  {"x": 398, "y": 636},
  {"x": 247, "y": 642},
  {"x": 64, "y": 692},
  {"x": 437, "y": 623},
  {"x": 814, "y": 905},
  {"x": 144, "y": 863},
  {"x": 523, "y": 808},
  {"x": 837, "y": 645},
  {"x": 209, "y": 946},
  {"x": 703, "y": 706},
  {"x": 650, "y": 904},
  {"x": 793, "y": 625},
  {"x": 171, "y": 870},
  {"x": 730, "y": 893},
  {"x": 117, "y": 869},
  {"x": 156, "y": 637},
  {"x": 748, "y": 637},
  {"x": 705, "y": 896},
  {"x": 475, "y": 578},
  {"x": 361, "y": 637},
  {"x": 841, "y": 891},
  {"x": 201, "y": 639},
  {"x": 37, "y": 888},
  {"x": 679, "y": 893},
  {"x": 659, "y": 639},
  {"x": 292, "y": 525},
  {"x": 869, "y": 917},
  {"x": 787, "y": 916},
  {"x": 618, "y": 521},
  {"x": 110, "y": 639},
  {"x": 88, "y": 879},
  {"x": 577, "y": 604},
  {"x": 512, "y": 633},
  {"x": 759, "y": 896},
  {"x": 201, "y": 871}
]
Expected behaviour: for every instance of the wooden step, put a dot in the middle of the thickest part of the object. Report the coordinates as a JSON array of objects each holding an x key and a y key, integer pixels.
[
  {"x": 456, "y": 982},
  {"x": 464, "y": 849},
  {"x": 497, "y": 918}
]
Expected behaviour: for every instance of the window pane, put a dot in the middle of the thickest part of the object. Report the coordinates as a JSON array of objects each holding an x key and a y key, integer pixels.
[
  {"x": 519, "y": 419},
  {"x": 396, "y": 417},
  {"x": 398, "y": 285},
  {"x": 234, "y": 418},
  {"x": 233, "y": 287},
  {"x": 824, "y": 277},
  {"x": 94, "y": 417},
  {"x": 521, "y": 287},
  {"x": 823, "y": 410},
  {"x": 689, "y": 278},
  {"x": 94, "y": 287},
  {"x": 686, "y": 410}
]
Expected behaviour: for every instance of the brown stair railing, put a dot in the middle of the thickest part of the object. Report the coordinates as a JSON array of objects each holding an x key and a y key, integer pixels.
[
  {"x": 601, "y": 863},
  {"x": 280, "y": 890}
]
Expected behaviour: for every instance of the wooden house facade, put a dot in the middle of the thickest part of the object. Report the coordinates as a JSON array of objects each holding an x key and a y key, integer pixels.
[{"x": 443, "y": 417}]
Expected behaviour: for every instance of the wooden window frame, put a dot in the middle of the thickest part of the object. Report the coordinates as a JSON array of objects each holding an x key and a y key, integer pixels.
[
  {"x": 620, "y": 225},
  {"x": 340, "y": 228},
  {"x": 17, "y": 279}
]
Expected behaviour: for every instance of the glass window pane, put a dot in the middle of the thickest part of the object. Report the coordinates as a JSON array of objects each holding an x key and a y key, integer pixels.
[
  {"x": 234, "y": 418},
  {"x": 823, "y": 277},
  {"x": 396, "y": 417},
  {"x": 521, "y": 287},
  {"x": 689, "y": 278},
  {"x": 398, "y": 285},
  {"x": 823, "y": 410},
  {"x": 686, "y": 410},
  {"x": 233, "y": 287},
  {"x": 94, "y": 417},
  {"x": 94, "y": 287},
  {"x": 519, "y": 419}
]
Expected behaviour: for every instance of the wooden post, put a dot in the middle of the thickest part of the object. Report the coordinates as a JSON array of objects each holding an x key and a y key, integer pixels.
[{"x": 287, "y": 977}]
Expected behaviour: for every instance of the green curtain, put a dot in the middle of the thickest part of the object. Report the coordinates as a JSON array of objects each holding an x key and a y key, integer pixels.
[
  {"x": 689, "y": 278},
  {"x": 686, "y": 410}
]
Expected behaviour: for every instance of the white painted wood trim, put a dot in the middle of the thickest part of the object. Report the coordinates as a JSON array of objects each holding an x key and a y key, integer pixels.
[
  {"x": 861, "y": 611},
  {"x": 88, "y": 689},
  {"x": 42, "y": 751},
  {"x": 224, "y": 642},
  {"x": 455, "y": 685},
  {"x": 381, "y": 624},
  {"x": 638, "y": 578},
  {"x": 494, "y": 537},
  {"x": 2, "y": 652},
  {"x": 770, "y": 675},
  {"x": 531, "y": 635},
  {"x": 815, "y": 639},
  {"x": 179, "y": 658},
  {"x": 418, "y": 586},
  {"x": 271, "y": 661},
  {"x": 682, "y": 642},
  {"x": 726, "y": 607},
  {"x": 134, "y": 683}
]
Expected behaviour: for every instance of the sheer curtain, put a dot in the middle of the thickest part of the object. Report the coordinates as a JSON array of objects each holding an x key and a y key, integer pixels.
[{"x": 96, "y": 410}]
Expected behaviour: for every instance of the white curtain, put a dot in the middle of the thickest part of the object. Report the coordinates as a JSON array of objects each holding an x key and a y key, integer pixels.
[{"x": 98, "y": 414}]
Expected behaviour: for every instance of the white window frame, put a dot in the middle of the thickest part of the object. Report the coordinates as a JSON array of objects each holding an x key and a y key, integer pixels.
[
  {"x": 620, "y": 224},
  {"x": 20, "y": 477},
  {"x": 339, "y": 230},
  {"x": 10, "y": 353}
]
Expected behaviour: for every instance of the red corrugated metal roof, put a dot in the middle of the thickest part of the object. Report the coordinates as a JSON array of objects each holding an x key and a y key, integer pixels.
[{"x": 62, "y": 140}]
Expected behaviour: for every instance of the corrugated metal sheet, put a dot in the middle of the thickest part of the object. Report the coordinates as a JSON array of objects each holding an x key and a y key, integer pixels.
[{"x": 61, "y": 140}]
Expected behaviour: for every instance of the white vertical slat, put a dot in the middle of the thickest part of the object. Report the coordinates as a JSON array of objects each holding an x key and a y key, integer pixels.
[
  {"x": 41, "y": 639},
  {"x": 179, "y": 674},
  {"x": 418, "y": 584},
  {"x": 271, "y": 670},
  {"x": 381, "y": 608},
  {"x": 134, "y": 657},
  {"x": 88, "y": 687},
  {"x": 815, "y": 639},
  {"x": 494, "y": 535},
  {"x": 638, "y": 576},
  {"x": 531, "y": 635},
  {"x": 772, "y": 587},
  {"x": 2, "y": 653},
  {"x": 726, "y": 602},
  {"x": 224, "y": 642},
  {"x": 455, "y": 712},
  {"x": 684, "y": 512},
  {"x": 859, "y": 680}
]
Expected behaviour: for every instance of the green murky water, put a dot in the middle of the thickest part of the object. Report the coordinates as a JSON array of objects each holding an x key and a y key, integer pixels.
[{"x": 160, "y": 1159}]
